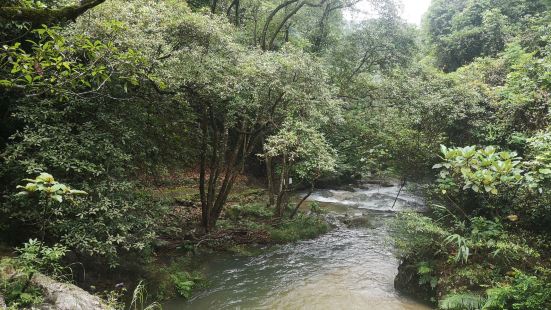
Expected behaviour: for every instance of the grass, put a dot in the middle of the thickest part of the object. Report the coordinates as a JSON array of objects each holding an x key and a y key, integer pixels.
[
  {"x": 300, "y": 228},
  {"x": 259, "y": 217}
]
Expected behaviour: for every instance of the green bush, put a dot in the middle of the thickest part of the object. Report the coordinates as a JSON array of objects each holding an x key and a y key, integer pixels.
[
  {"x": 417, "y": 236},
  {"x": 523, "y": 292},
  {"x": 184, "y": 283},
  {"x": 16, "y": 273},
  {"x": 248, "y": 210},
  {"x": 113, "y": 219},
  {"x": 300, "y": 228}
]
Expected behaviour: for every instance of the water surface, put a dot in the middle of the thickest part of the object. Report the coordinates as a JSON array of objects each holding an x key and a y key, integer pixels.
[{"x": 347, "y": 268}]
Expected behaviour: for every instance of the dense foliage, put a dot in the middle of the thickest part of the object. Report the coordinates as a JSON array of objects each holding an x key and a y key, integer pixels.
[
  {"x": 112, "y": 96},
  {"x": 485, "y": 242}
]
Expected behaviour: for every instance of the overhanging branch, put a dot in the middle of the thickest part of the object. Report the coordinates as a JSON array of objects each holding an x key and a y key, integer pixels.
[{"x": 46, "y": 16}]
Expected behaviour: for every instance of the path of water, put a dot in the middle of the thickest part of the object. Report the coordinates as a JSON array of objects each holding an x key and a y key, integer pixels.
[{"x": 347, "y": 268}]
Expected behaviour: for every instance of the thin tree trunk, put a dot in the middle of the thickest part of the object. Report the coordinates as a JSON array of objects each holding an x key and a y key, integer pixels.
[
  {"x": 286, "y": 39},
  {"x": 47, "y": 16},
  {"x": 213, "y": 5},
  {"x": 214, "y": 168},
  {"x": 321, "y": 28},
  {"x": 228, "y": 11},
  {"x": 302, "y": 200},
  {"x": 270, "y": 176},
  {"x": 237, "y": 12},
  {"x": 279, "y": 201},
  {"x": 399, "y": 191},
  {"x": 205, "y": 210}
]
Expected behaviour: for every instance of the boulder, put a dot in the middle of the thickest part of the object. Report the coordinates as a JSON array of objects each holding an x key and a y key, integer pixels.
[{"x": 65, "y": 296}]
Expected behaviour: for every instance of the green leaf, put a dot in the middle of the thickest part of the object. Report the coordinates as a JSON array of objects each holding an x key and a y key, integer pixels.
[
  {"x": 45, "y": 177},
  {"x": 57, "y": 198},
  {"x": 77, "y": 192}
]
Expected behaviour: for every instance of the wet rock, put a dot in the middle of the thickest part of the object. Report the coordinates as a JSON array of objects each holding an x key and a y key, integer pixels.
[
  {"x": 335, "y": 220},
  {"x": 334, "y": 181},
  {"x": 383, "y": 183},
  {"x": 326, "y": 193},
  {"x": 407, "y": 283},
  {"x": 363, "y": 186},
  {"x": 65, "y": 296},
  {"x": 346, "y": 188},
  {"x": 358, "y": 221}
]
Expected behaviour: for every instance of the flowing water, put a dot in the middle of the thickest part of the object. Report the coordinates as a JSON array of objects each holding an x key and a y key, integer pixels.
[{"x": 347, "y": 268}]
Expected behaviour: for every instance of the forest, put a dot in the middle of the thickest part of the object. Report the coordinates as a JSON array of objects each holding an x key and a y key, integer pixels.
[{"x": 141, "y": 138}]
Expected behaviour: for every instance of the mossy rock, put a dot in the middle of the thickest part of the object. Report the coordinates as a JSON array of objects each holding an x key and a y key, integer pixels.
[{"x": 359, "y": 222}]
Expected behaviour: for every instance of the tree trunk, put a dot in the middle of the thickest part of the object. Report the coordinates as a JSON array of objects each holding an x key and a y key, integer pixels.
[
  {"x": 205, "y": 210},
  {"x": 214, "y": 196},
  {"x": 402, "y": 183},
  {"x": 269, "y": 21},
  {"x": 321, "y": 28},
  {"x": 237, "y": 13},
  {"x": 282, "y": 23},
  {"x": 270, "y": 178},
  {"x": 302, "y": 200},
  {"x": 213, "y": 5},
  {"x": 281, "y": 196}
]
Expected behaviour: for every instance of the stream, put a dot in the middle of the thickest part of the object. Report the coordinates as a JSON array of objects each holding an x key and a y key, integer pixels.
[{"x": 351, "y": 267}]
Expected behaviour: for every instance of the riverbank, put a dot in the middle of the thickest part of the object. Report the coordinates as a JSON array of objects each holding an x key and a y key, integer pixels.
[
  {"x": 246, "y": 225},
  {"x": 352, "y": 264},
  {"x": 170, "y": 269},
  {"x": 180, "y": 266}
]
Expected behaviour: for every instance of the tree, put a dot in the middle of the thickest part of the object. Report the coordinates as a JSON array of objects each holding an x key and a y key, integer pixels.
[
  {"x": 377, "y": 45},
  {"x": 79, "y": 104},
  {"x": 302, "y": 152},
  {"x": 462, "y": 30}
]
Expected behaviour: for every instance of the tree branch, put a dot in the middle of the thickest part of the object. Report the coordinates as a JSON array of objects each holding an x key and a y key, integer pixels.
[{"x": 47, "y": 16}]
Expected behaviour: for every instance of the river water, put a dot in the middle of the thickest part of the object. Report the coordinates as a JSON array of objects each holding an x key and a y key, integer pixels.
[{"x": 347, "y": 268}]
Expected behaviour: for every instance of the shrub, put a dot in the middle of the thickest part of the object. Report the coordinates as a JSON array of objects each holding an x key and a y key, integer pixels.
[
  {"x": 184, "y": 283},
  {"x": 524, "y": 292},
  {"x": 16, "y": 273},
  {"x": 115, "y": 217},
  {"x": 416, "y": 235},
  {"x": 299, "y": 228},
  {"x": 248, "y": 210}
]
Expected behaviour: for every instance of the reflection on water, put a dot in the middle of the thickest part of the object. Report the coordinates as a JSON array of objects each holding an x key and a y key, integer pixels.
[{"x": 348, "y": 268}]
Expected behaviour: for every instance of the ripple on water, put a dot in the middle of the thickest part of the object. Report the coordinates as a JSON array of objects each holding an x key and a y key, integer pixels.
[{"x": 343, "y": 269}]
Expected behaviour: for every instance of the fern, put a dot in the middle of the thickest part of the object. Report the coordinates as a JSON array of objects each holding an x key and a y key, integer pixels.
[{"x": 462, "y": 301}]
